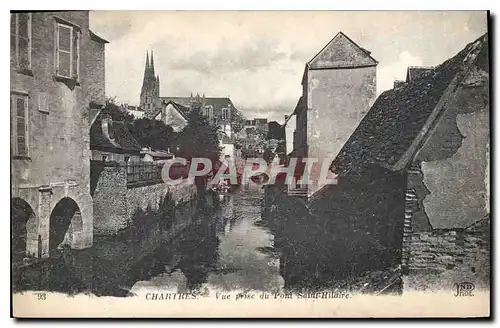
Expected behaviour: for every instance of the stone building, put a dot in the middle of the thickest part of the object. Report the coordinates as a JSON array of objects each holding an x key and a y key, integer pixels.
[
  {"x": 136, "y": 111},
  {"x": 416, "y": 170},
  {"x": 339, "y": 86},
  {"x": 150, "y": 91},
  {"x": 227, "y": 145},
  {"x": 110, "y": 141},
  {"x": 57, "y": 88},
  {"x": 276, "y": 132},
  {"x": 257, "y": 124},
  {"x": 172, "y": 114},
  {"x": 220, "y": 111}
]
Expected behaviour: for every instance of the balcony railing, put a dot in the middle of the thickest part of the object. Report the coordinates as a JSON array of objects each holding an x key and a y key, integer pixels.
[
  {"x": 150, "y": 172},
  {"x": 142, "y": 172}
]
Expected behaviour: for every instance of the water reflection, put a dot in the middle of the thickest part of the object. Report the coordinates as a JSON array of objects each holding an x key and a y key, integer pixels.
[
  {"x": 233, "y": 247},
  {"x": 230, "y": 257},
  {"x": 219, "y": 250}
]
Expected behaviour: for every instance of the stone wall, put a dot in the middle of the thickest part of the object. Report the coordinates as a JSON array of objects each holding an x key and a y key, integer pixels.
[
  {"x": 446, "y": 228},
  {"x": 441, "y": 258},
  {"x": 116, "y": 202},
  {"x": 58, "y": 161},
  {"x": 94, "y": 69},
  {"x": 110, "y": 201},
  {"x": 337, "y": 100},
  {"x": 97, "y": 155}
]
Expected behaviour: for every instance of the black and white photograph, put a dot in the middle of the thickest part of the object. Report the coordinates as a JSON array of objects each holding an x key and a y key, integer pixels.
[{"x": 261, "y": 163}]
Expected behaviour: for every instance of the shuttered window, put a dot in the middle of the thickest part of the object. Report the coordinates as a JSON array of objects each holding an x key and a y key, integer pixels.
[
  {"x": 19, "y": 110},
  {"x": 67, "y": 51},
  {"x": 20, "y": 40}
]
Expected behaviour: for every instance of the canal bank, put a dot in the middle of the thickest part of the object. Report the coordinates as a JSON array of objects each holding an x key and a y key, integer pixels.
[
  {"x": 231, "y": 246},
  {"x": 207, "y": 246},
  {"x": 99, "y": 269}
]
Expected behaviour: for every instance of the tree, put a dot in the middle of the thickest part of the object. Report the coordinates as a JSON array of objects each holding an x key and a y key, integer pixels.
[
  {"x": 152, "y": 133},
  {"x": 238, "y": 121},
  {"x": 148, "y": 132},
  {"x": 116, "y": 113},
  {"x": 199, "y": 138}
]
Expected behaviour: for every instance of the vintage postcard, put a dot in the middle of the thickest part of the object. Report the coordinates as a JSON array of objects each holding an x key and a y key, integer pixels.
[{"x": 278, "y": 164}]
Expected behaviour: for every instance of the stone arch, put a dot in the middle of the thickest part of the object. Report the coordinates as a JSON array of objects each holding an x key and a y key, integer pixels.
[
  {"x": 64, "y": 218},
  {"x": 25, "y": 238}
]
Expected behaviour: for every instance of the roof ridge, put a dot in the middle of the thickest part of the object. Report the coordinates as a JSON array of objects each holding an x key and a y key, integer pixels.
[
  {"x": 350, "y": 40},
  {"x": 393, "y": 148}
]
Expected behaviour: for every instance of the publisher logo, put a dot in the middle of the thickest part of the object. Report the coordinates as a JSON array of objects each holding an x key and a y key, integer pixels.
[{"x": 464, "y": 289}]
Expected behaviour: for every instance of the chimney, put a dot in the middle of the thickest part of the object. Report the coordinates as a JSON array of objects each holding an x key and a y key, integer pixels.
[{"x": 398, "y": 84}]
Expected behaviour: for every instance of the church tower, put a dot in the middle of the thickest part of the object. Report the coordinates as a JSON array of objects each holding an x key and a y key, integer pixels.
[{"x": 150, "y": 91}]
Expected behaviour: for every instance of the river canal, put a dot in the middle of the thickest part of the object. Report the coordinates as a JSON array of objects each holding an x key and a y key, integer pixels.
[
  {"x": 230, "y": 248},
  {"x": 226, "y": 249}
]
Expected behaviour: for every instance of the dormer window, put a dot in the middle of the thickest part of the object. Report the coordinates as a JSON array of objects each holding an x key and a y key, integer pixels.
[
  {"x": 107, "y": 128},
  {"x": 111, "y": 132}
]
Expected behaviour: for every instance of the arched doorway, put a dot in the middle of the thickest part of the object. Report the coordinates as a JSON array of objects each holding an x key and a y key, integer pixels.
[
  {"x": 24, "y": 231},
  {"x": 65, "y": 218}
]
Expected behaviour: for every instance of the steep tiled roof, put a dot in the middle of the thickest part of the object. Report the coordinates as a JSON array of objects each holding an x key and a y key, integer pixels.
[
  {"x": 341, "y": 52},
  {"x": 183, "y": 110},
  {"x": 300, "y": 106},
  {"x": 183, "y": 101},
  {"x": 415, "y": 72},
  {"x": 224, "y": 137},
  {"x": 97, "y": 38},
  {"x": 397, "y": 117},
  {"x": 276, "y": 131},
  {"x": 216, "y": 102},
  {"x": 222, "y": 102},
  {"x": 120, "y": 138}
]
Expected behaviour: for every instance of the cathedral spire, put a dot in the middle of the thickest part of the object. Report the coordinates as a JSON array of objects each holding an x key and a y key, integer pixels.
[
  {"x": 152, "y": 64},
  {"x": 157, "y": 85},
  {"x": 150, "y": 91},
  {"x": 146, "y": 70}
]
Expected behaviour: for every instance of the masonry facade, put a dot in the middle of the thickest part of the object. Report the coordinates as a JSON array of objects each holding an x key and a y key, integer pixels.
[
  {"x": 339, "y": 86},
  {"x": 447, "y": 217},
  {"x": 219, "y": 111},
  {"x": 430, "y": 137},
  {"x": 120, "y": 194},
  {"x": 57, "y": 88}
]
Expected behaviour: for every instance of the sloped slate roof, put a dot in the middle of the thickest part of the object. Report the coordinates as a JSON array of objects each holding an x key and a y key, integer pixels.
[
  {"x": 97, "y": 38},
  {"x": 122, "y": 140},
  {"x": 222, "y": 102},
  {"x": 341, "y": 52},
  {"x": 224, "y": 137},
  {"x": 186, "y": 101},
  {"x": 414, "y": 72},
  {"x": 397, "y": 117},
  {"x": 183, "y": 110}
]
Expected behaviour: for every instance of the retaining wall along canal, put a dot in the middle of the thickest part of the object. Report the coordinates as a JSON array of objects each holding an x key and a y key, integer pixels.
[{"x": 117, "y": 201}]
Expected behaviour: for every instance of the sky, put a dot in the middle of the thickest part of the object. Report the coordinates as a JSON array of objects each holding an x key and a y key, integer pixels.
[{"x": 258, "y": 58}]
